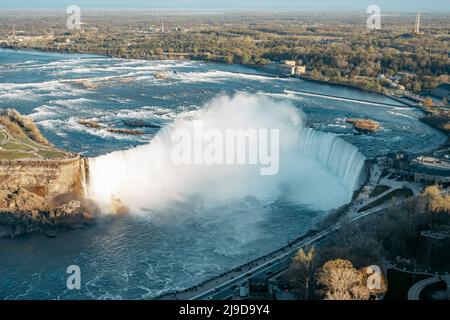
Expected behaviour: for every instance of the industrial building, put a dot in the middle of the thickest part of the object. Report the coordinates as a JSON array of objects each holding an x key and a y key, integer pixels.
[{"x": 290, "y": 68}]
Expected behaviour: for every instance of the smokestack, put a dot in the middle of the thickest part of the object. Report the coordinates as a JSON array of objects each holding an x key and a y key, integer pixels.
[{"x": 418, "y": 22}]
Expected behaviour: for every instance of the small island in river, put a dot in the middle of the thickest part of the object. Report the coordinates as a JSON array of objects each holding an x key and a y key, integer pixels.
[{"x": 364, "y": 125}]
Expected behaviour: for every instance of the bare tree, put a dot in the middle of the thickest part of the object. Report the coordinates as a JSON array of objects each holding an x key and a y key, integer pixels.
[
  {"x": 301, "y": 272},
  {"x": 341, "y": 281}
]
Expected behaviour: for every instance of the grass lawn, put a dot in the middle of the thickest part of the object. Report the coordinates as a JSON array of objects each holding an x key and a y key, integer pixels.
[
  {"x": 19, "y": 147},
  {"x": 30, "y": 142},
  {"x": 11, "y": 155},
  {"x": 21, "y": 139},
  {"x": 16, "y": 147},
  {"x": 379, "y": 190},
  {"x": 52, "y": 154}
]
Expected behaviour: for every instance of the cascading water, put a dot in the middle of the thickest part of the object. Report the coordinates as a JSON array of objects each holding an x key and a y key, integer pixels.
[
  {"x": 315, "y": 169},
  {"x": 341, "y": 158}
]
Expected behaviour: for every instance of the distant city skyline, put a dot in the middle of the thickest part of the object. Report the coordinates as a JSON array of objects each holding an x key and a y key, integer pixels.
[{"x": 254, "y": 5}]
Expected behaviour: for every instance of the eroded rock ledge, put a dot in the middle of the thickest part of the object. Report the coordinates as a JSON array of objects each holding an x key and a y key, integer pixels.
[
  {"x": 72, "y": 215},
  {"x": 43, "y": 195},
  {"x": 42, "y": 189}
]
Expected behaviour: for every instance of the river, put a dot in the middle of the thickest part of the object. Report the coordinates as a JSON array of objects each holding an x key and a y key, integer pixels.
[{"x": 210, "y": 220}]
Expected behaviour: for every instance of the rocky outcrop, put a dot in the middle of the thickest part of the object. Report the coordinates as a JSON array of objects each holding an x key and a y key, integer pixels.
[
  {"x": 95, "y": 125},
  {"x": 74, "y": 214},
  {"x": 161, "y": 75},
  {"x": 42, "y": 188},
  {"x": 126, "y": 131},
  {"x": 86, "y": 84},
  {"x": 46, "y": 178},
  {"x": 43, "y": 196},
  {"x": 89, "y": 123},
  {"x": 141, "y": 124},
  {"x": 364, "y": 125},
  {"x": 21, "y": 125}
]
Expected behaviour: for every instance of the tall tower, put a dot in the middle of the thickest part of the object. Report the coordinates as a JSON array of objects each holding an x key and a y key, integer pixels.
[
  {"x": 417, "y": 25},
  {"x": 162, "y": 25},
  {"x": 418, "y": 22}
]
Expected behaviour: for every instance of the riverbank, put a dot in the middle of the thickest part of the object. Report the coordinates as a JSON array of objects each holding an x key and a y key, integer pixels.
[{"x": 189, "y": 57}]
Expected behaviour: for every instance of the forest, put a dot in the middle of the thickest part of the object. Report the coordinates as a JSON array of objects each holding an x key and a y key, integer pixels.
[{"x": 337, "y": 49}]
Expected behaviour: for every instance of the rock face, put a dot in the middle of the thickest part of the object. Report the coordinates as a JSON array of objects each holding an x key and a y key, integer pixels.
[
  {"x": 43, "y": 196},
  {"x": 46, "y": 178},
  {"x": 161, "y": 75},
  {"x": 42, "y": 188},
  {"x": 126, "y": 131},
  {"x": 68, "y": 216}
]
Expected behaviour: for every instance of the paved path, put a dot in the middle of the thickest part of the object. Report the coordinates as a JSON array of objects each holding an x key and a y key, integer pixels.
[
  {"x": 32, "y": 148},
  {"x": 415, "y": 187},
  {"x": 363, "y": 198},
  {"x": 416, "y": 289}
]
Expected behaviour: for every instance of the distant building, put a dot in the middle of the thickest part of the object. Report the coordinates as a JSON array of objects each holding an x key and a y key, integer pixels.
[
  {"x": 286, "y": 68},
  {"x": 300, "y": 70},
  {"x": 399, "y": 160},
  {"x": 262, "y": 287},
  {"x": 279, "y": 68},
  {"x": 292, "y": 63},
  {"x": 430, "y": 170},
  {"x": 258, "y": 286}
]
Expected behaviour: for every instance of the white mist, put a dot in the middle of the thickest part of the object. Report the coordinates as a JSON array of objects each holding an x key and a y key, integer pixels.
[{"x": 315, "y": 168}]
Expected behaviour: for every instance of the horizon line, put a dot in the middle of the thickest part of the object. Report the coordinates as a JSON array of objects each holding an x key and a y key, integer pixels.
[{"x": 222, "y": 10}]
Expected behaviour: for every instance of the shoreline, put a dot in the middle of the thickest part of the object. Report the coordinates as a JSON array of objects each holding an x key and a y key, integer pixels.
[{"x": 249, "y": 66}]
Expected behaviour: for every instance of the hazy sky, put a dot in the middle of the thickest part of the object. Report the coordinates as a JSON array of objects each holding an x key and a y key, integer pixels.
[{"x": 323, "y": 5}]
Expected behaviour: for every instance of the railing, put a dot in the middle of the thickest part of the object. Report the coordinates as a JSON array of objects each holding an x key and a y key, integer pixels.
[{"x": 416, "y": 272}]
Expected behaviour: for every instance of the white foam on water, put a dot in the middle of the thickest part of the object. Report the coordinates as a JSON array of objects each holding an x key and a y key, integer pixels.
[
  {"x": 216, "y": 76},
  {"x": 316, "y": 169}
]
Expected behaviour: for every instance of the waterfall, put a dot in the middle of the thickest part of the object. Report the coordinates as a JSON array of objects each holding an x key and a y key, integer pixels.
[
  {"x": 84, "y": 165},
  {"x": 340, "y": 158},
  {"x": 315, "y": 168}
]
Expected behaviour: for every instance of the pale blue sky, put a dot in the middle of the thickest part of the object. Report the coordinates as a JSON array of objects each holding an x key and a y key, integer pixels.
[{"x": 322, "y": 5}]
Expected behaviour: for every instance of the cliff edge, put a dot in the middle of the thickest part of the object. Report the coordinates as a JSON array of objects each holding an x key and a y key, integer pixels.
[{"x": 42, "y": 188}]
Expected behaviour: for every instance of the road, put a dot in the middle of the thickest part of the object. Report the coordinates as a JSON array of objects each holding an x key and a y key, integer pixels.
[{"x": 416, "y": 289}]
